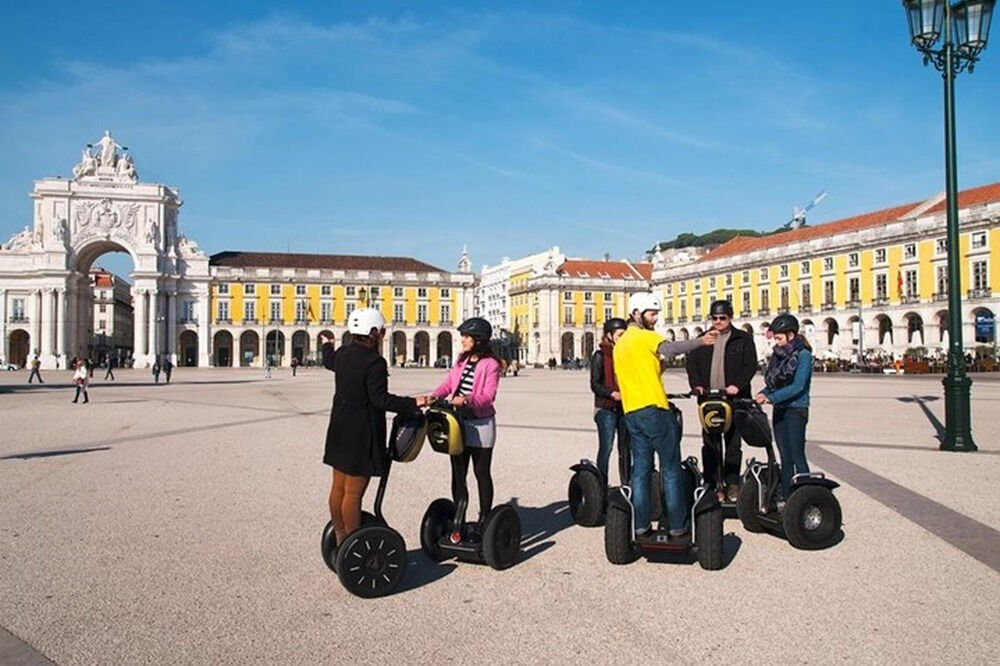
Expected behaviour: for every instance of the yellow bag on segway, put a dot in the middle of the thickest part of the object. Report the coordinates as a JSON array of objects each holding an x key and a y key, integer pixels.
[
  {"x": 444, "y": 429},
  {"x": 716, "y": 416},
  {"x": 408, "y": 434}
]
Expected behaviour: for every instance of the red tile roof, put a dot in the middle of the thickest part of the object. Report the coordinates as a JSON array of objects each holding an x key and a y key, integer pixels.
[
  {"x": 341, "y": 262},
  {"x": 616, "y": 270},
  {"x": 744, "y": 244}
]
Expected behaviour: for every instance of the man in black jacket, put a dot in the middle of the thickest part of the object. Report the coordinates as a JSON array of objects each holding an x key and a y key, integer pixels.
[
  {"x": 728, "y": 365},
  {"x": 608, "y": 414}
]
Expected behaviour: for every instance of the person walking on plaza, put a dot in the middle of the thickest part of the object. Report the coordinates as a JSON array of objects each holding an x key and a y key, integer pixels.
[
  {"x": 35, "y": 367},
  {"x": 295, "y": 364},
  {"x": 110, "y": 371},
  {"x": 471, "y": 386},
  {"x": 156, "y": 371},
  {"x": 729, "y": 365},
  {"x": 788, "y": 378},
  {"x": 267, "y": 367},
  {"x": 356, "y": 435},
  {"x": 608, "y": 414},
  {"x": 81, "y": 378},
  {"x": 168, "y": 367},
  {"x": 652, "y": 427}
]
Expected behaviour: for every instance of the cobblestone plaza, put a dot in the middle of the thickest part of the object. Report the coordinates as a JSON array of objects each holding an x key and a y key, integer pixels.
[{"x": 180, "y": 524}]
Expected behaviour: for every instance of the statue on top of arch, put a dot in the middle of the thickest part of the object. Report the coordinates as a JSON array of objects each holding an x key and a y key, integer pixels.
[{"x": 104, "y": 159}]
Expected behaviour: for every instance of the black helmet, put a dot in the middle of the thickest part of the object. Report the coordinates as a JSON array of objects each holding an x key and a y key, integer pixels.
[
  {"x": 721, "y": 308},
  {"x": 614, "y": 324},
  {"x": 476, "y": 327},
  {"x": 785, "y": 323}
]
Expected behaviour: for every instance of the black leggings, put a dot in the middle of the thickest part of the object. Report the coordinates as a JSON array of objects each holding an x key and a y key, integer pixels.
[{"x": 481, "y": 460}]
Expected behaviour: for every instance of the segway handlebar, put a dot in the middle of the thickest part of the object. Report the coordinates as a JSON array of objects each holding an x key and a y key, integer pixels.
[{"x": 681, "y": 396}]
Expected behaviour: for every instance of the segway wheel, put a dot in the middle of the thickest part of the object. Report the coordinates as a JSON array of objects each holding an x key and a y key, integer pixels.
[
  {"x": 747, "y": 506},
  {"x": 371, "y": 561},
  {"x": 812, "y": 518},
  {"x": 436, "y": 523},
  {"x": 501, "y": 537},
  {"x": 328, "y": 547},
  {"x": 618, "y": 545},
  {"x": 708, "y": 536},
  {"x": 586, "y": 499}
]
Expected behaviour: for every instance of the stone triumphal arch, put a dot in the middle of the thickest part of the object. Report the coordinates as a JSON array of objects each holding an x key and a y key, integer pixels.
[{"x": 46, "y": 295}]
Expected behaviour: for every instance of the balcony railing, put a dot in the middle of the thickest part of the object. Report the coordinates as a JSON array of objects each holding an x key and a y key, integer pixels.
[
  {"x": 763, "y": 312},
  {"x": 745, "y": 313},
  {"x": 252, "y": 321},
  {"x": 853, "y": 304},
  {"x": 19, "y": 320},
  {"x": 275, "y": 321},
  {"x": 985, "y": 292},
  {"x": 301, "y": 321},
  {"x": 880, "y": 301},
  {"x": 910, "y": 299},
  {"x": 223, "y": 320},
  {"x": 783, "y": 310},
  {"x": 188, "y": 320},
  {"x": 682, "y": 319},
  {"x": 940, "y": 297},
  {"x": 830, "y": 306}
]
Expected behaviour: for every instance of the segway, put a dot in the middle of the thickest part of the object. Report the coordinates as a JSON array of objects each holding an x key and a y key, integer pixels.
[
  {"x": 588, "y": 488},
  {"x": 715, "y": 412},
  {"x": 444, "y": 532},
  {"x": 704, "y": 540},
  {"x": 371, "y": 560},
  {"x": 810, "y": 518}
]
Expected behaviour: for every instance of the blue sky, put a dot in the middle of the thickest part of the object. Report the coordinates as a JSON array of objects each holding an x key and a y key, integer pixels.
[{"x": 413, "y": 128}]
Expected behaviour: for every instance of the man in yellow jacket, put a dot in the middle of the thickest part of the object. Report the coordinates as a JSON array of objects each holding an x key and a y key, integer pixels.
[{"x": 651, "y": 424}]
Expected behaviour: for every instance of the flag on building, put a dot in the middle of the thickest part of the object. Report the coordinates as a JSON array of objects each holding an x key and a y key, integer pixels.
[{"x": 899, "y": 284}]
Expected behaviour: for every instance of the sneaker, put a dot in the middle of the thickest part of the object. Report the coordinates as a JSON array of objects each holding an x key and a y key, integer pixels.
[
  {"x": 780, "y": 505},
  {"x": 679, "y": 533},
  {"x": 733, "y": 492}
]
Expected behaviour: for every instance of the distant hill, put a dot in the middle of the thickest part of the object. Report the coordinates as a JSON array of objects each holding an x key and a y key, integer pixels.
[{"x": 716, "y": 237}]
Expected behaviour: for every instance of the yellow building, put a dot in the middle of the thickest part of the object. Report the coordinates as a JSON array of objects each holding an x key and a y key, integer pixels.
[
  {"x": 292, "y": 300},
  {"x": 885, "y": 269}
]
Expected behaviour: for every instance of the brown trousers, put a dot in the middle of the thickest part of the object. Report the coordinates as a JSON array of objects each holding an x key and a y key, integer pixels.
[{"x": 345, "y": 502}]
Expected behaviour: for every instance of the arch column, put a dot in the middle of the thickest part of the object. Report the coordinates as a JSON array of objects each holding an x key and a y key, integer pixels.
[
  {"x": 411, "y": 347},
  {"x": 140, "y": 326},
  {"x": 204, "y": 333},
  {"x": 286, "y": 355},
  {"x": 61, "y": 326},
  {"x": 171, "y": 346},
  {"x": 4, "y": 349},
  {"x": 47, "y": 324},
  {"x": 36, "y": 322}
]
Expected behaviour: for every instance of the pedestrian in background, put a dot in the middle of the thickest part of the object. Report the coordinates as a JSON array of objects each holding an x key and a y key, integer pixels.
[
  {"x": 35, "y": 366},
  {"x": 110, "y": 371},
  {"x": 81, "y": 378},
  {"x": 168, "y": 367},
  {"x": 295, "y": 365},
  {"x": 156, "y": 371}
]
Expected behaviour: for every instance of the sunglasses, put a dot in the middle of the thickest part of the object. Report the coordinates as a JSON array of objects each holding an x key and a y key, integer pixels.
[{"x": 720, "y": 318}]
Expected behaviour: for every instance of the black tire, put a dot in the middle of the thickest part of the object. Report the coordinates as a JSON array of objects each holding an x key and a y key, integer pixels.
[
  {"x": 501, "y": 537},
  {"x": 371, "y": 561},
  {"x": 708, "y": 535},
  {"x": 328, "y": 547},
  {"x": 812, "y": 518},
  {"x": 618, "y": 545},
  {"x": 586, "y": 498},
  {"x": 748, "y": 506},
  {"x": 436, "y": 523}
]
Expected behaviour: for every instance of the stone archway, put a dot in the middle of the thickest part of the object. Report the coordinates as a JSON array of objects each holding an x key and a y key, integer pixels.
[
  {"x": 588, "y": 345},
  {"x": 274, "y": 347},
  {"x": 300, "y": 345},
  {"x": 421, "y": 348},
  {"x": 567, "y": 351},
  {"x": 187, "y": 354},
  {"x": 885, "y": 334},
  {"x": 832, "y": 331},
  {"x": 914, "y": 329},
  {"x": 18, "y": 347},
  {"x": 249, "y": 349},
  {"x": 222, "y": 349},
  {"x": 398, "y": 348},
  {"x": 444, "y": 348}
]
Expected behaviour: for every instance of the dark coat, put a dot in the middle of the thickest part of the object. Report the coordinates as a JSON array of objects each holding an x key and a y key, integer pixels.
[
  {"x": 356, "y": 436},
  {"x": 740, "y": 365},
  {"x": 601, "y": 391}
]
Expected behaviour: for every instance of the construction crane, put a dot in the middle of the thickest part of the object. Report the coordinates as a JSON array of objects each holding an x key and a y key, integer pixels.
[{"x": 799, "y": 215}]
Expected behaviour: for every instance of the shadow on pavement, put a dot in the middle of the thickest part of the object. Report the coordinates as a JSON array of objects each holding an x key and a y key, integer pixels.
[
  {"x": 96, "y": 383},
  {"x": 420, "y": 571},
  {"x": 53, "y": 453},
  {"x": 921, "y": 401},
  {"x": 539, "y": 524}
]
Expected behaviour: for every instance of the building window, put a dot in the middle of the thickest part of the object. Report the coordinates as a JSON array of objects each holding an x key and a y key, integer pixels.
[
  {"x": 300, "y": 290},
  {"x": 941, "y": 246},
  {"x": 421, "y": 292},
  {"x": 805, "y": 268},
  {"x": 326, "y": 312},
  {"x": 422, "y": 313},
  {"x": 102, "y": 324},
  {"x": 880, "y": 255},
  {"x": 608, "y": 296},
  {"x": 397, "y": 292},
  {"x": 275, "y": 311},
  {"x": 588, "y": 315},
  {"x": 697, "y": 307},
  {"x": 684, "y": 308},
  {"x": 910, "y": 251},
  {"x": 854, "y": 290},
  {"x": 729, "y": 279},
  {"x": 276, "y": 290},
  {"x": 102, "y": 308},
  {"x": 324, "y": 290},
  {"x": 783, "y": 270},
  {"x": 828, "y": 294},
  {"x": 979, "y": 277},
  {"x": 250, "y": 289},
  {"x": 446, "y": 293},
  {"x": 765, "y": 299},
  {"x": 881, "y": 287},
  {"x": 827, "y": 263},
  {"x": 17, "y": 309},
  {"x": 351, "y": 291},
  {"x": 397, "y": 313},
  {"x": 745, "y": 278},
  {"x": 609, "y": 312},
  {"x": 224, "y": 288},
  {"x": 910, "y": 284},
  {"x": 301, "y": 310},
  {"x": 806, "y": 296},
  {"x": 588, "y": 295},
  {"x": 249, "y": 310},
  {"x": 979, "y": 239},
  {"x": 188, "y": 310},
  {"x": 942, "y": 280},
  {"x": 224, "y": 310},
  {"x": 374, "y": 293},
  {"x": 445, "y": 313},
  {"x": 764, "y": 275},
  {"x": 746, "y": 302},
  {"x": 567, "y": 296},
  {"x": 853, "y": 260},
  {"x": 683, "y": 286},
  {"x": 783, "y": 298},
  {"x": 568, "y": 315},
  {"x": 711, "y": 282}
]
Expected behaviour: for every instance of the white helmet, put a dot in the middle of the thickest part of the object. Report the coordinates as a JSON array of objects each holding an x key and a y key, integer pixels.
[
  {"x": 361, "y": 322},
  {"x": 642, "y": 301}
]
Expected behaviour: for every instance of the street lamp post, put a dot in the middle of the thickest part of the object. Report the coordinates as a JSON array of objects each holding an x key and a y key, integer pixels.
[{"x": 966, "y": 27}]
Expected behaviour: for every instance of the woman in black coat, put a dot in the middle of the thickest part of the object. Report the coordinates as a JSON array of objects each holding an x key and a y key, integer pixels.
[{"x": 355, "y": 438}]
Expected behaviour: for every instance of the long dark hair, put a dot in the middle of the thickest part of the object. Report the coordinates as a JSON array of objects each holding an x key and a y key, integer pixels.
[{"x": 481, "y": 348}]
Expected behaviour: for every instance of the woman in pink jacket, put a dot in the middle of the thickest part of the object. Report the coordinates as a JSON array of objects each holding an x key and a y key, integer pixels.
[{"x": 471, "y": 385}]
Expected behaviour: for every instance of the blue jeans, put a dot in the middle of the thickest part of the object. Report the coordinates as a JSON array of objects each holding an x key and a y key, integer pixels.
[
  {"x": 790, "y": 435},
  {"x": 608, "y": 423},
  {"x": 653, "y": 429}
]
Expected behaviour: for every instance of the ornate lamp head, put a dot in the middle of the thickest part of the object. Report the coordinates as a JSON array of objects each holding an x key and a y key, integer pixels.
[
  {"x": 971, "y": 25},
  {"x": 925, "y": 18}
]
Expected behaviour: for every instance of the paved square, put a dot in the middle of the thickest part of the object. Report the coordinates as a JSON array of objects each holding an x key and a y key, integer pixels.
[{"x": 180, "y": 524}]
